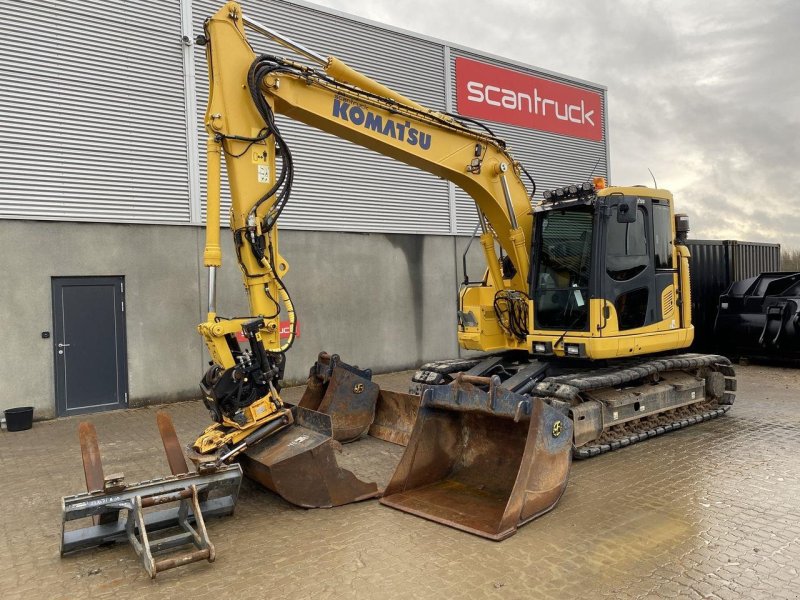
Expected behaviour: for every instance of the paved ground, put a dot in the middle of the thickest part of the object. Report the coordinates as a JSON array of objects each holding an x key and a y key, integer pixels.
[{"x": 710, "y": 511}]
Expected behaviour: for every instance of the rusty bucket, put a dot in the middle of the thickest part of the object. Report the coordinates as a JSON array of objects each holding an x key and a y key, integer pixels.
[
  {"x": 299, "y": 463},
  {"x": 340, "y": 404},
  {"x": 395, "y": 413},
  {"x": 345, "y": 393},
  {"x": 483, "y": 461}
]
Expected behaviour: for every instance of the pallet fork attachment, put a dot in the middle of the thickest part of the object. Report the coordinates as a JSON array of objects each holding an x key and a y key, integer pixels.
[{"x": 212, "y": 492}]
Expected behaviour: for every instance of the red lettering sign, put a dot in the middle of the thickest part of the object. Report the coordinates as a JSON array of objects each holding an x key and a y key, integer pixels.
[
  {"x": 285, "y": 331},
  {"x": 496, "y": 94}
]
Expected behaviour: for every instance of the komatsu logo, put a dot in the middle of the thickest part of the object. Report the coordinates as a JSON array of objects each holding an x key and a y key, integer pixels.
[{"x": 398, "y": 130}]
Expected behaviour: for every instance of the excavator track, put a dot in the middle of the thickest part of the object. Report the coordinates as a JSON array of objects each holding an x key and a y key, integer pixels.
[
  {"x": 569, "y": 387},
  {"x": 440, "y": 372},
  {"x": 609, "y": 442}
]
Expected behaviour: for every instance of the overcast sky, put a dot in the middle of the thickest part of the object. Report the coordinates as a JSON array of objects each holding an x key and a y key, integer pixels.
[{"x": 705, "y": 94}]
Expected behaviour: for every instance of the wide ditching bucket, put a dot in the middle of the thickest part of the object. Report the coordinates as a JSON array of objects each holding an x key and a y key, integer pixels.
[{"x": 481, "y": 461}]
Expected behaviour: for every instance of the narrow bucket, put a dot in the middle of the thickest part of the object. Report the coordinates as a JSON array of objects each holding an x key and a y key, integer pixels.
[
  {"x": 299, "y": 463},
  {"x": 19, "y": 419},
  {"x": 345, "y": 393},
  {"x": 483, "y": 462}
]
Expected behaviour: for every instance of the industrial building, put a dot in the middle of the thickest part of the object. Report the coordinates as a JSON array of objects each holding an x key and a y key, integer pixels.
[{"x": 102, "y": 194}]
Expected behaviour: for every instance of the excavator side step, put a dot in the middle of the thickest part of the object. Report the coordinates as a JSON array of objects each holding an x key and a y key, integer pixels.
[{"x": 212, "y": 493}]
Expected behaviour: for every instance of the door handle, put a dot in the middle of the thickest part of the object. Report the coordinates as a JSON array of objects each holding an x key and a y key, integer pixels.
[{"x": 60, "y": 345}]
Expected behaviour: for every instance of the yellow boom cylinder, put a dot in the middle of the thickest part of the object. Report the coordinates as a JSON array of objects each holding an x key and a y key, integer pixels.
[
  {"x": 212, "y": 256},
  {"x": 341, "y": 72}
]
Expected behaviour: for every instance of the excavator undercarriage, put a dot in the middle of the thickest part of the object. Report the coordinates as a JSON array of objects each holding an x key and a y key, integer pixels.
[{"x": 611, "y": 406}]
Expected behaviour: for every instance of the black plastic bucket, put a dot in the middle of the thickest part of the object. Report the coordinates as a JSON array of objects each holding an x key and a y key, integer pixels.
[{"x": 19, "y": 419}]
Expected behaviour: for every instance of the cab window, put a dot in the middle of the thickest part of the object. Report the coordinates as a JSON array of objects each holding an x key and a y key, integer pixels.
[
  {"x": 626, "y": 247},
  {"x": 662, "y": 236}
]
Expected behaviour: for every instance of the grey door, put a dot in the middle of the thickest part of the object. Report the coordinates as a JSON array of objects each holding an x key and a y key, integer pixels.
[{"x": 89, "y": 344}]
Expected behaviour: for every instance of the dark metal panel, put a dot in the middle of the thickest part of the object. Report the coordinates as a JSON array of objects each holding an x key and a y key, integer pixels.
[
  {"x": 713, "y": 266},
  {"x": 89, "y": 345},
  {"x": 709, "y": 276}
]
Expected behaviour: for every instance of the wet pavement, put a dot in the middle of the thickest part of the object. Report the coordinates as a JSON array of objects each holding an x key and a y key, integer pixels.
[{"x": 712, "y": 511}]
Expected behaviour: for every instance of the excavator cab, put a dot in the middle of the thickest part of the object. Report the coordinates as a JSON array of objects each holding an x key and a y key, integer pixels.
[{"x": 605, "y": 274}]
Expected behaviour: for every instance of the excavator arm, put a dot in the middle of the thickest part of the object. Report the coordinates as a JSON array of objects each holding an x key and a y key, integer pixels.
[{"x": 246, "y": 92}]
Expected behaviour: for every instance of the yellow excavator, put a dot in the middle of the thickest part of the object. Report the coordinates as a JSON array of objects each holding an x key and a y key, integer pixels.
[{"x": 583, "y": 304}]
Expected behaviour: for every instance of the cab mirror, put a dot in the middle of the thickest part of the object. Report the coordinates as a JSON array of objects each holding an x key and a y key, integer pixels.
[{"x": 626, "y": 210}]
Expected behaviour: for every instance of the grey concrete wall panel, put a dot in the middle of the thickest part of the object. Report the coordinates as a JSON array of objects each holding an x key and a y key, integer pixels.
[
  {"x": 160, "y": 266},
  {"x": 382, "y": 301},
  {"x": 553, "y": 160},
  {"x": 92, "y": 123},
  {"x": 340, "y": 186}
]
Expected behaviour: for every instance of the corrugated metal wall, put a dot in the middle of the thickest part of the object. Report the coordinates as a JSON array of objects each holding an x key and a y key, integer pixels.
[
  {"x": 94, "y": 115},
  {"x": 748, "y": 259},
  {"x": 338, "y": 185},
  {"x": 92, "y": 124}
]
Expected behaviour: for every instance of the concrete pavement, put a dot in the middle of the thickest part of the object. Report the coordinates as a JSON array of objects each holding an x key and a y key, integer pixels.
[{"x": 712, "y": 511}]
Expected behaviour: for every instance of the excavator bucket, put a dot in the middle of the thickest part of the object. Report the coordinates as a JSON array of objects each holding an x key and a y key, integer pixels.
[
  {"x": 395, "y": 414},
  {"x": 343, "y": 392},
  {"x": 299, "y": 463},
  {"x": 484, "y": 462}
]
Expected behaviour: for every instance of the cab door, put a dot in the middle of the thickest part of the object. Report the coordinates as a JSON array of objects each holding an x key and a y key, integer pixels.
[
  {"x": 628, "y": 275},
  {"x": 664, "y": 262}
]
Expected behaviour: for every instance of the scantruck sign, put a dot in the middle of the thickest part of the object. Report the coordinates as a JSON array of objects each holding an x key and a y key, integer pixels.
[{"x": 497, "y": 94}]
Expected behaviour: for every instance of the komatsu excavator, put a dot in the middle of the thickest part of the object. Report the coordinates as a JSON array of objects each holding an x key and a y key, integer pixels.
[{"x": 581, "y": 309}]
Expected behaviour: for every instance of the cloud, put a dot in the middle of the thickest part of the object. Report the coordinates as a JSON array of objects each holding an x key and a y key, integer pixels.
[{"x": 707, "y": 95}]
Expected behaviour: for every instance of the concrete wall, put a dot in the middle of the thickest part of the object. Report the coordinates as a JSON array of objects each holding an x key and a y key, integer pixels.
[{"x": 379, "y": 300}]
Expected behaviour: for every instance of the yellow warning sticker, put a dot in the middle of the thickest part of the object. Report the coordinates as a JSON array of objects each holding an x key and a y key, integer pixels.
[{"x": 260, "y": 157}]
